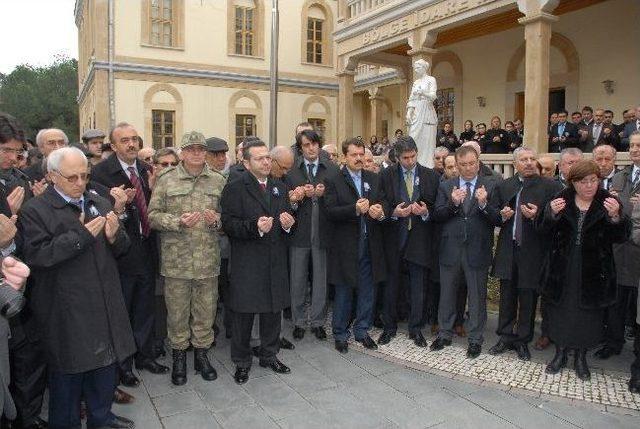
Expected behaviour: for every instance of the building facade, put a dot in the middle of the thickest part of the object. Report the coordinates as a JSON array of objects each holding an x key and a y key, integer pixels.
[
  {"x": 170, "y": 66},
  {"x": 490, "y": 57}
]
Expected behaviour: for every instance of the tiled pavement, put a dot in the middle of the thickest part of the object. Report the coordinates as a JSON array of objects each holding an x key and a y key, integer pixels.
[{"x": 357, "y": 390}]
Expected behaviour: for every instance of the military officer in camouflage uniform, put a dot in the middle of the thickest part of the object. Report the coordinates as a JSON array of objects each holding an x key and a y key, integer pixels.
[{"x": 185, "y": 208}]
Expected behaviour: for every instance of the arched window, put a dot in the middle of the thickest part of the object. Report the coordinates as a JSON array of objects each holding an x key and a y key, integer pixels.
[
  {"x": 245, "y": 20},
  {"x": 317, "y": 26}
]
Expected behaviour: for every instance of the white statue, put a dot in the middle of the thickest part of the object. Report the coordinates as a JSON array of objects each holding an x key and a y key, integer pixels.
[{"x": 422, "y": 120}]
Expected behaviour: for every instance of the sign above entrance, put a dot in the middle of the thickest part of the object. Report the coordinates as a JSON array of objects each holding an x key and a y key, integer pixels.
[{"x": 428, "y": 15}]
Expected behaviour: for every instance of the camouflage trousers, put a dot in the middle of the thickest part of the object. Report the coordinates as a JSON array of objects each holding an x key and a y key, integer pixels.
[{"x": 191, "y": 310}]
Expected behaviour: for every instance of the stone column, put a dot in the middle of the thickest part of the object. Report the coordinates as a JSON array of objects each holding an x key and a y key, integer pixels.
[
  {"x": 537, "y": 34},
  {"x": 376, "y": 112},
  {"x": 345, "y": 101}
]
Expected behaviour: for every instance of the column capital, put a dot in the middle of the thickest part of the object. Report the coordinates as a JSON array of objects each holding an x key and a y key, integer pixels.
[
  {"x": 421, "y": 51},
  {"x": 540, "y": 16}
]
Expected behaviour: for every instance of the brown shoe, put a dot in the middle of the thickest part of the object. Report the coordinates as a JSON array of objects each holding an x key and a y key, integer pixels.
[
  {"x": 122, "y": 397},
  {"x": 542, "y": 343},
  {"x": 460, "y": 331},
  {"x": 434, "y": 329}
]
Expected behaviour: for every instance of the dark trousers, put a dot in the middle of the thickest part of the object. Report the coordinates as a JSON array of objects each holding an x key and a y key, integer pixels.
[
  {"x": 415, "y": 288},
  {"x": 28, "y": 371},
  {"x": 365, "y": 297},
  {"x": 139, "y": 297},
  {"x": 635, "y": 366},
  {"x": 241, "y": 325},
  {"x": 95, "y": 387},
  {"x": 516, "y": 318},
  {"x": 432, "y": 300},
  {"x": 616, "y": 316},
  {"x": 223, "y": 288}
]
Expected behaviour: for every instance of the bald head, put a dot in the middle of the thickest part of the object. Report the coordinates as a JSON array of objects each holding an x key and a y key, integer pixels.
[{"x": 281, "y": 161}]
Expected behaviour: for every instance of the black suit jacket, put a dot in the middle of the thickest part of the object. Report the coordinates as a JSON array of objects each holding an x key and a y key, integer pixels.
[
  {"x": 298, "y": 176},
  {"x": 340, "y": 200},
  {"x": 236, "y": 171},
  {"x": 258, "y": 265},
  {"x": 473, "y": 231},
  {"x": 413, "y": 245},
  {"x": 142, "y": 255},
  {"x": 535, "y": 190},
  {"x": 501, "y": 146},
  {"x": 571, "y": 138}
]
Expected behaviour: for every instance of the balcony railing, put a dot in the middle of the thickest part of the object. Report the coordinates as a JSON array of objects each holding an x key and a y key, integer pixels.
[{"x": 357, "y": 8}]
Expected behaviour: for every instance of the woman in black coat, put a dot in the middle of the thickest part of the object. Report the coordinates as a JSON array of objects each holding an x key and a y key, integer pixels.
[
  {"x": 579, "y": 280},
  {"x": 468, "y": 134}
]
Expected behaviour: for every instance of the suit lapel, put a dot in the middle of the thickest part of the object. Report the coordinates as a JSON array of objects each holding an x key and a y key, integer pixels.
[{"x": 254, "y": 189}]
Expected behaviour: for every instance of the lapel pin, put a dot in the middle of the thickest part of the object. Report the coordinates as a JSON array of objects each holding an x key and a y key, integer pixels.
[{"x": 276, "y": 193}]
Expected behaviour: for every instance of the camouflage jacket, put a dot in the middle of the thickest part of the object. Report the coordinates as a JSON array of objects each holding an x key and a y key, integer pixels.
[{"x": 186, "y": 253}]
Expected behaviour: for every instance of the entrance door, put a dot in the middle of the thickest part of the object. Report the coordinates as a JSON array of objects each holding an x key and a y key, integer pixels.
[{"x": 556, "y": 102}]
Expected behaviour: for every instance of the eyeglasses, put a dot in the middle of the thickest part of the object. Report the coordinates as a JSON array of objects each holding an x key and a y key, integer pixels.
[
  {"x": 84, "y": 177},
  {"x": 166, "y": 164},
  {"x": 8, "y": 150}
]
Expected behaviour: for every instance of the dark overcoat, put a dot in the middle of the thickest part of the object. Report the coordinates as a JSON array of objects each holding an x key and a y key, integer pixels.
[
  {"x": 598, "y": 288},
  {"x": 627, "y": 254},
  {"x": 298, "y": 176},
  {"x": 535, "y": 244},
  {"x": 340, "y": 199},
  {"x": 417, "y": 242},
  {"x": 76, "y": 296},
  {"x": 259, "y": 277}
]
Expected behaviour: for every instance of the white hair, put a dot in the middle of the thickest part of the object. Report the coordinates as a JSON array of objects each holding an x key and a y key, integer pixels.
[
  {"x": 441, "y": 149},
  {"x": 519, "y": 150},
  {"x": 56, "y": 157},
  {"x": 41, "y": 133},
  {"x": 474, "y": 144}
]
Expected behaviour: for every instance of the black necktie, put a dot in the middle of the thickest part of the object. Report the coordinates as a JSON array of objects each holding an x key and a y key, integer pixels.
[{"x": 310, "y": 168}]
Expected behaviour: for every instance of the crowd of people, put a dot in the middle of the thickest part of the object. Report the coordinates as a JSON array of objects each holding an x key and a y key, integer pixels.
[
  {"x": 585, "y": 130},
  {"x": 132, "y": 250}
]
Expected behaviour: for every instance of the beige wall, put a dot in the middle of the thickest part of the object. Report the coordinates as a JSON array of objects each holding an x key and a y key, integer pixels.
[
  {"x": 210, "y": 109},
  {"x": 603, "y": 37}
]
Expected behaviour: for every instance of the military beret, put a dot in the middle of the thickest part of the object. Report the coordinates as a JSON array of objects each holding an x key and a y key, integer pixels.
[
  {"x": 215, "y": 144},
  {"x": 93, "y": 134},
  {"x": 193, "y": 138}
]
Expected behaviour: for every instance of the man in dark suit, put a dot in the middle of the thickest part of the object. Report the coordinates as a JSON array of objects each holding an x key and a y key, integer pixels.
[
  {"x": 26, "y": 354},
  {"x": 626, "y": 186},
  {"x": 256, "y": 217},
  {"x": 354, "y": 203},
  {"x": 515, "y": 203},
  {"x": 563, "y": 134},
  {"x": 462, "y": 205},
  {"x": 630, "y": 128},
  {"x": 409, "y": 191},
  {"x": 497, "y": 140},
  {"x": 584, "y": 127},
  {"x": 310, "y": 238},
  {"x": 138, "y": 266}
]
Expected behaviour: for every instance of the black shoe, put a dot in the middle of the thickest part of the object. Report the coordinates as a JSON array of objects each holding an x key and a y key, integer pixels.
[
  {"x": 119, "y": 422},
  {"x": 202, "y": 365},
  {"x": 298, "y": 333},
  {"x": 499, "y": 348},
  {"x": 580, "y": 365},
  {"x": 473, "y": 351},
  {"x": 342, "y": 346},
  {"x": 418, "y": 339},
  {"x": 158, "y": 350},
  {"x": 320, "y": 333},
  {"x": 523, "y": 352},
  {"x": 385, "y": 338},
  {"x": 368, "y": 343},
  {"x": 439, "y": 344},
  {"x": 179, "y": 371},
  {"x": 127, "y": 378},
  {"x": 634, "y": 385},
  {"x": 558, "y": 362},
  {"x": 36, "y": 423},
  {"x": 286, "y": 344},
  {"x": 606, "y": 352},
  {"x": 152, "y": 366},
  {"x": 276, "y": 366},
  {"x": 256, "y": 351},
  {"x": 242, "y": 375}
]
